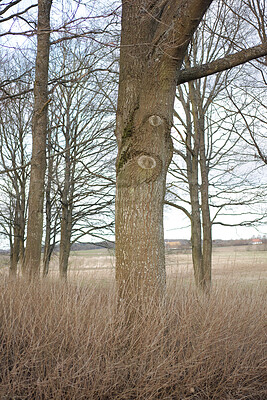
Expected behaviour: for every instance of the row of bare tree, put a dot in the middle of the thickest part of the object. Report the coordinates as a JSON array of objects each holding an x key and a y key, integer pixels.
[
  {"x": 68, "y": 169},
  {"x": 210, "y": 173}
]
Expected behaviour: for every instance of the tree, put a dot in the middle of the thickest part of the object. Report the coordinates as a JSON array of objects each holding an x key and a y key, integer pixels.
[
  {"x": 248, "y": 99},
  {"x": 81, "y": 146},
  {"x": 153, "y": 47},
  {"x": 15, "y": 120},
  {"x": 70, "y": 26},
  {"x": 52, "y": 208},
  {"x": 31, "y": 263},
  {"x": 198, "y": 133}
]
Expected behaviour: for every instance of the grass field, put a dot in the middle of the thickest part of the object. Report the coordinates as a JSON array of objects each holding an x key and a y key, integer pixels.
[
  {"x": 238, "y": 263},
  {"x": 71, "y": 342},
  {"x": 243, "y": 264}
]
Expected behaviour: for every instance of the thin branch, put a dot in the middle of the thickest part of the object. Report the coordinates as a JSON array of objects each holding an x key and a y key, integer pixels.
[{"x": 187, "y": 213}]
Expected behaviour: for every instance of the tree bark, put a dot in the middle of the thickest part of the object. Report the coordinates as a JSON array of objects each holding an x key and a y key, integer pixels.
[
  {"x": 152, "y": 50},
  {"x": 32, "y": 258}
]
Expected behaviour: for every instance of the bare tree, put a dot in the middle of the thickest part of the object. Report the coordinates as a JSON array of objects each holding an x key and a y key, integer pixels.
[
  {"x": 68, "y": 27},
  {"x": 52, "y": 207},
  {"x": 247, "y": 97},
  {"x": 31, "y": 263},
  {"x": 152, "y": 51},
  {"x": 153, "y": 47},
  {"x": 82, "y": 144},
  {"x": 206, "y": 165},
  {"x": 15, "y": 118},
  {"x": 196, "y": 142}
]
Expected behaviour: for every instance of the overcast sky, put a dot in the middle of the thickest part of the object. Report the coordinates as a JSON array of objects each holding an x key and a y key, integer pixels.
[{"x": 176, "y": 225}]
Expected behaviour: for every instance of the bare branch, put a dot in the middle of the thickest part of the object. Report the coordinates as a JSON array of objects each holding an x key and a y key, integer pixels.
[
  {"x": 222, "y": 64},
  {"x": 169, "y": 203}
]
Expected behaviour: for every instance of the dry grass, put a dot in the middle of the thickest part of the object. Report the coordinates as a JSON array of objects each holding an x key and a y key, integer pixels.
[{"x": 68, "y": 342}]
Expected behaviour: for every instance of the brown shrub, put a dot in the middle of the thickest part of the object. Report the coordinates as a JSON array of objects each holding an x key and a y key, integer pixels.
[{"x": 69, "y": 342}]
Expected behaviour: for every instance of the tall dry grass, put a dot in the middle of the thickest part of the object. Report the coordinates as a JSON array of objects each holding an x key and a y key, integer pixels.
[{"x": 69, "y": 342}]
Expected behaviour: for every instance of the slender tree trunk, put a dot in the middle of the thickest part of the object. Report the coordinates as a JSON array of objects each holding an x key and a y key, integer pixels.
[
  {"x": 14, "y": 257},
  {"x": 48, "y": 207},
  {"x": 47, "y": 245},
  {"x": 66, "y": 222},
  {"x": 12, "y": 270},
  {"x": 206, "y": 222},
  {"x": 22, "y": 212},
  {"x": 32, "y": 258},
  {"x": 199, "y": 132},
  {"x": 66, "y": 217},
  {"x": 152, "y": 51},
  {"x": 194, "y": 188},
  {"x": 64, "y": 243},
  {"x": 196, "y": 237},
  {"x": 47, "y": 257},
  {"x": 14, "y": 248}
]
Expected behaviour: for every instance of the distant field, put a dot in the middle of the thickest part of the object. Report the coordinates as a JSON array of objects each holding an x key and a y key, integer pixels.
[{"x": 239, "y": 263}]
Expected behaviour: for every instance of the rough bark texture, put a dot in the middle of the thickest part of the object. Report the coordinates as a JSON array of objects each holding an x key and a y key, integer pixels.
[
  {"x": 31, "y": 264},
  {"x": 154, "y": 39}
]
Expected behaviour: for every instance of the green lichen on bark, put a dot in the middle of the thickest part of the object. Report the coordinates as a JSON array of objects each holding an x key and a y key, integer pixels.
[
  {"x": 125, "y": 142},
  {"x": 122, "y": 159},
  {"x": 127, "y": 131}
]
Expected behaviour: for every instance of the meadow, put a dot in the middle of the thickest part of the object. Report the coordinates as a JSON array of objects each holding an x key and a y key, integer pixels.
[
  {"x": 239, "y": 264},
  {"x": 70, "y": 341}
]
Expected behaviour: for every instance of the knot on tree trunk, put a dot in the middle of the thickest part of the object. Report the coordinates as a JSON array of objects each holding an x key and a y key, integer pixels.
[
  {"x": 139, "y": 167},
  {"x": 155, "y": 120},
  {"x": 146, "y": 162}
]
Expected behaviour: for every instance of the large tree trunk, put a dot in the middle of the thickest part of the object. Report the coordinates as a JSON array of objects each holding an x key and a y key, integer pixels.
[
  {"x": 32, "y": 258},
  {"x": 152, "y": 50}
]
